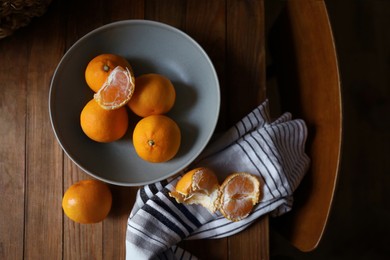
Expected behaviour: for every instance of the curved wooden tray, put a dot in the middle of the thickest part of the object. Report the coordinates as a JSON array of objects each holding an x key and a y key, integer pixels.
[{"x": 303, "y": 50}]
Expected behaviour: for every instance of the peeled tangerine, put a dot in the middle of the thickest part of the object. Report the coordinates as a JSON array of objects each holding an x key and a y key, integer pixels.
[
  {"x": 117, "y": 90},
  {"x": 235, "y": 198},
  {"x": 198, "y": 186},
  {"x": 239, "y": 193}
]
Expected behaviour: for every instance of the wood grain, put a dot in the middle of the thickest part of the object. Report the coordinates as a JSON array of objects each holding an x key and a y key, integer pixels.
[
  {"x": 245, "y": 80},
  {"x": 171, "y": 12},
  {"x": 43, "y": 216},
  {"x": 247, "y": 243},
  {"x": 34, "y": 170},
  {"x": 206, "y": 23},
  {"x": 245, "y": 57},
  {"x": 309, "y": 84},
  {"x": 12, "y": 148}
]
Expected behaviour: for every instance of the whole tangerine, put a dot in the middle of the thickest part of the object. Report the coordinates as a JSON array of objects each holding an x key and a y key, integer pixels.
[
  {"x": 103, "y": 125},
  {"x": 156, "y": 138},
  {"x": 87, "y": 201},
  {"x": 100, "y": 67},
  {"x": 154, "y": 95}
]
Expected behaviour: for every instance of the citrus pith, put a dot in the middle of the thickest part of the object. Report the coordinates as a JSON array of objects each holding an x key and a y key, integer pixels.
[
  {"x": 116, "y": 90},
  {"x": 239, "y": 193},
  {"x": 198, "y": 186}
]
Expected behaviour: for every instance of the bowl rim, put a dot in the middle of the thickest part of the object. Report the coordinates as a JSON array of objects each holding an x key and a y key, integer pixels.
[{"x": 128, "y": 22}]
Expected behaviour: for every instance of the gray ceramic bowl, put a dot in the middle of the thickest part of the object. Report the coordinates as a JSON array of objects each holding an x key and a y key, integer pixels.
[{"x": 150, "y": 47}]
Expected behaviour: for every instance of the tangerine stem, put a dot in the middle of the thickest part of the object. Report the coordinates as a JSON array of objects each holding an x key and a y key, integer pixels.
[
  {"x": 106, "y": 67},
  {"x": 151, "y": 143}
]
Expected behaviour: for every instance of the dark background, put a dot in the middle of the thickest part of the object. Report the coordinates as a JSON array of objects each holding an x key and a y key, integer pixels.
[{"x": 359, "y": 223}]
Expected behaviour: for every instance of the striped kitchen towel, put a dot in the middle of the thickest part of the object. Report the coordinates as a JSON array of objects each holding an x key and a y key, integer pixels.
[{"x": 273, "y": 150}]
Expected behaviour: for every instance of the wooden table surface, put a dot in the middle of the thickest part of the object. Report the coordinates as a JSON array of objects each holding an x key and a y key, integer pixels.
[{"x": 35, "y": 172}]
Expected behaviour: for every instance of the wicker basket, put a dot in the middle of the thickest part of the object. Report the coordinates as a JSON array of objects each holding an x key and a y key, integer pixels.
[{"x": 17, "y": 13}]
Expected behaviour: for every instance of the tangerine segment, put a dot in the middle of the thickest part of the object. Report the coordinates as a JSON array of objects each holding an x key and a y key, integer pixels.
[
  {"x": 156, "y": 138},
  {"x": 155, "y": 95},
  {"x": 198, "y": 186},
  {"x": 100, "y": 67},
  {"x": 239, "y": 193},
  {"x": 87, "y": 201},
  {"x": 103, "y": 125},
  {"x": 116, "y": 90}
]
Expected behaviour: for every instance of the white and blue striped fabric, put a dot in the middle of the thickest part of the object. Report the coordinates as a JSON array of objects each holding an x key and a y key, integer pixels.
[{"x": 273, "y": 150}]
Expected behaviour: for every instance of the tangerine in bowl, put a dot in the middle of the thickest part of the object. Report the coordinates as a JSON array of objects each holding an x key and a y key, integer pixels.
[{"x": 149, "y": 47}]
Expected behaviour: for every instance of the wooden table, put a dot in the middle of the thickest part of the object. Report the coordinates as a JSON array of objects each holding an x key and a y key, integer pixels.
[{"x": 34, "y": 171}]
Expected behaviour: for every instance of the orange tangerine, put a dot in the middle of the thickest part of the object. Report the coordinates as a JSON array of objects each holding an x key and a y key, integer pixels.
[
  {"x": 100, "y": 67},
  {"x": 87, "y": 201},
  {"x": 103, "y": 125},
  {"x": 239, "y": 193},
  {"x": 235, "y": 198},
  {"x": 156, "y": 138},
  {"x": 154, "y": 95},
  {"x": 198, "y": 186},
  {"x": 116, "y": 90}
]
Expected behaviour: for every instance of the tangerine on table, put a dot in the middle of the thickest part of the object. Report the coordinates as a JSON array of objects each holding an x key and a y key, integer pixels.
[
  {"x": 87, "y": 201},
  {"x": 100, "y": 67},
  {"x": 156, "y": 138},
  {"x": 239, "y": 193},
  {"x": 103, "y": 125},
  {"x": 198, "y": 186},
  {"x": 116, "y": 90},
  {"x": 154, "y": 95}
]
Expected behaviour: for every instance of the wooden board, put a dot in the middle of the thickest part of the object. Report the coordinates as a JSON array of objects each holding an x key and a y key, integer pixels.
[{"x": 34, "y": 170}]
